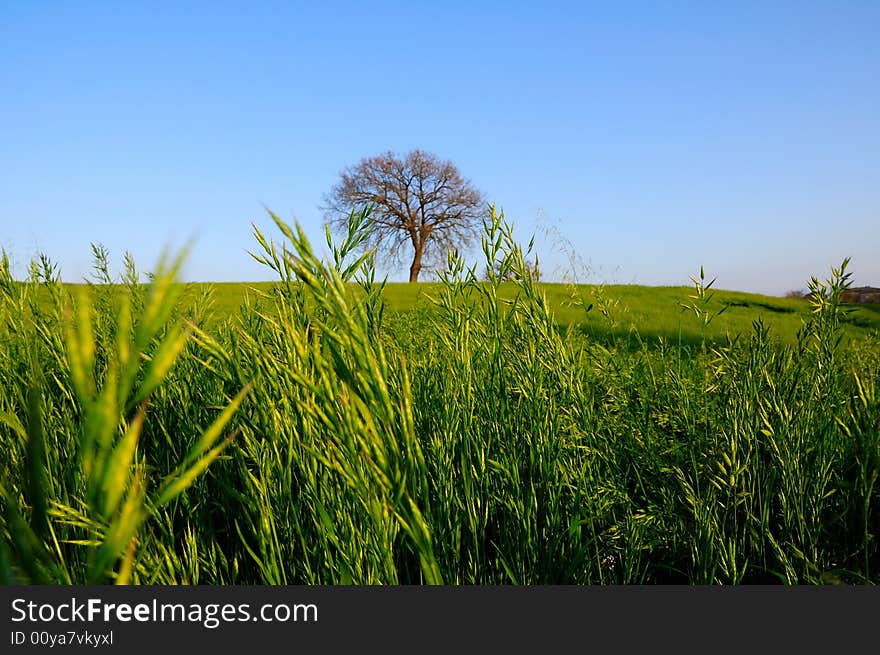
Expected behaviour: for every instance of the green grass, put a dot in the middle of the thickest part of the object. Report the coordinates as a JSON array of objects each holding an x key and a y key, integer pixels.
[
  {"x": 633, "y": 312},
  {"x": 634, "y": 315},
  {"x": 329, "y": 429}
]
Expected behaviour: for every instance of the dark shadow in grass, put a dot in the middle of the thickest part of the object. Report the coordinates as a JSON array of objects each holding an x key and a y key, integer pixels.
[
  {"x": 651, "y": 339},
  {"x": 860, "y": 321},
  {"x": 761, "y": 305},
  {"x": 874, "y": 308},
  {"x": 863, "y": 315}
]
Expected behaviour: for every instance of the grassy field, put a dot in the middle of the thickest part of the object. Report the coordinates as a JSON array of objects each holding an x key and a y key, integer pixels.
[
  {"x": 328, "y": 429},
  {"x": 620, "y": 313}
]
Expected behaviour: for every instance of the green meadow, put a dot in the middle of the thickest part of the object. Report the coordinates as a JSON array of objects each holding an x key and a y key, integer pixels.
[
  {"x": 622, "y": 313},
  {"x": 327, "y": 428}
]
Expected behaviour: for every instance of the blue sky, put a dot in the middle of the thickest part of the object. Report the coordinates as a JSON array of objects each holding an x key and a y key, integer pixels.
[{"x": 652, "y": 137}]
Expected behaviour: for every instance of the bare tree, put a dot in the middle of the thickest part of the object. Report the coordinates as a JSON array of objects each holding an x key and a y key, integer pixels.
[{"x": 419, "y": 202}]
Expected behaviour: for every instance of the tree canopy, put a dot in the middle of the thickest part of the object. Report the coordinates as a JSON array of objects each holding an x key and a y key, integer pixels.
[{"x": 421, "y": 206}]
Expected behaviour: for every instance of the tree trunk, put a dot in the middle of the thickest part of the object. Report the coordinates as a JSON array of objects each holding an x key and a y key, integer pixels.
[{"x": 416, "y": 266}]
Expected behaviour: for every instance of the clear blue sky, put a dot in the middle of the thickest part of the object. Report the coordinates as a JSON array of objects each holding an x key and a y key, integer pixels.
[{"x": 654, "y": 136}]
